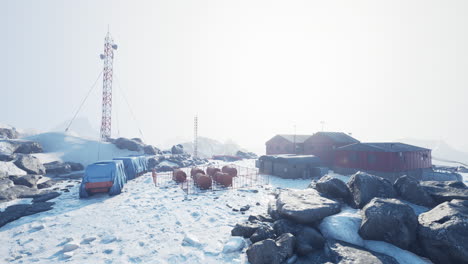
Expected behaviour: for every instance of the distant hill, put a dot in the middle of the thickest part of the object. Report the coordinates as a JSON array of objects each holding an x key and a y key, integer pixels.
[{"x": 440, "y": 150}]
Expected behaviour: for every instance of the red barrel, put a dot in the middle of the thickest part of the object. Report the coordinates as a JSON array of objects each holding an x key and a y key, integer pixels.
[
  {"x": 211, "y": 171},
  {"x": 230, "y": 170},
  {"x": 194, "y": 171},
  {"x": 223, "y": 178},
  {"x": 202, "y": 181},
  {"x": 179, "y": 175}
]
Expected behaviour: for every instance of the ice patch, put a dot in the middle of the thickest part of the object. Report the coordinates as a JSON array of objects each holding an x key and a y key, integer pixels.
[
  {"x": 234, "y": 244},
  {"x": 402, "y": 256},
  {"x": 343, "y": 226}
]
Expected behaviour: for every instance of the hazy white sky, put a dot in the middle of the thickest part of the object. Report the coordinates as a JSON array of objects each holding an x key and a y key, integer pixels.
[{"x": 382, "y": 70}]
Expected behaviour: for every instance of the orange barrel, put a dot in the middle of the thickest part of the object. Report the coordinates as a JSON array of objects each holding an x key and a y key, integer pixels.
[
  {"x": 230, "y": 170},
  {"x": 202, "y": 181},
  {"x": 211, "y": 171},
  {"x": 194, "y": 171},
  {"x": 223, "y": 178},
  {"x": 179, "y": 175}
]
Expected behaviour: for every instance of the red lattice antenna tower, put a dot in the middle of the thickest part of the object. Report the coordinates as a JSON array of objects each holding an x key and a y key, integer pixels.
[{"x": 108, "y": 72}]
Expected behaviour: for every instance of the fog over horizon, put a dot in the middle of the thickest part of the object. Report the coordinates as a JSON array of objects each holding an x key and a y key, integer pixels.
[{"x": 381, "y": 70}]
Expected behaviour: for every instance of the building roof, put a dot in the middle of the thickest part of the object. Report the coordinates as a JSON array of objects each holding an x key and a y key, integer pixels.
[
  {"x": 383, "y": 147},
  {"x": 339, "y": 137},
  {"x": 297, "y": 139}
]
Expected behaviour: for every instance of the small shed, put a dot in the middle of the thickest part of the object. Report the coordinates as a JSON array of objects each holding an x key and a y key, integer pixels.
[{"x": 291, "y": 166}]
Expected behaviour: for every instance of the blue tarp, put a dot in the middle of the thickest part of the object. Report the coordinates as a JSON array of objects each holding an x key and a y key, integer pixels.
[
  {"x": 132, "y": 166},
  {"x": 142, "y": 163},
  {"x": 111, "y": 170}
]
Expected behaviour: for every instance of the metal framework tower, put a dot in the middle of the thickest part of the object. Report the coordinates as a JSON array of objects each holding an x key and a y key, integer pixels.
[
  {"x": 195, "y": 134},
  {"x": 108, "y": 58}
]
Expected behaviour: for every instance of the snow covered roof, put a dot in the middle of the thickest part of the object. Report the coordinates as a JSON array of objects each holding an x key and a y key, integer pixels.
[
  {"x": 339, "y": 137},
  {"x": 383, "y": 147},
  {"x": 295, "y": 138}
]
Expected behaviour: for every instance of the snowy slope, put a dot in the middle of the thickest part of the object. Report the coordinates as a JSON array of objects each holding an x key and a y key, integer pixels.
[{"x": 67, "y": 147}]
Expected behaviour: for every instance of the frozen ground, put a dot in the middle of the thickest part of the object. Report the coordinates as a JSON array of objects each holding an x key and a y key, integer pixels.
[{"x": 67, "y": 147}]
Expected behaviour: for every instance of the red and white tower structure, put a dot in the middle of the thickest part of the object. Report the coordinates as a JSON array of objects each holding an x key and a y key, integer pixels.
[{"x": 108, "y": 58}]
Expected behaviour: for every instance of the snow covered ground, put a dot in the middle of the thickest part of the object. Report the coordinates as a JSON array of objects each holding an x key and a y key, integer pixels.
[{"x": 67, "y": 147}]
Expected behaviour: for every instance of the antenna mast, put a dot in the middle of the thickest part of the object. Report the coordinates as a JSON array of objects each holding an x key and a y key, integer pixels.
[
  {"x": 195, "y": 134},
  {"x": 108, "y": 73}
]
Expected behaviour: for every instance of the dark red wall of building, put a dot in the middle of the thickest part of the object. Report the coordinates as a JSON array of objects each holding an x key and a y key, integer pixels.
[
  {"x": 322, "y": 147},
  {"x": 383, "y": 161}
]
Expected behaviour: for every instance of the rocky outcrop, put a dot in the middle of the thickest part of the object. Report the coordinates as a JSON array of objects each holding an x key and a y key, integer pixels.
[
  {"x": 151, "y": 150},
  {"x": 10, "y": 133},
  {"x": 283, "y": 226},
  {"x": 45, "y": 197},
  {"x": 152, "y": 163},
  {"x": 75, "y": 166},
  {"x": 443, "y": 232},
  {"x": 305, "y": 206},
  {"x": 10, "y": 169},
  {"x": 409, "y": 189},
  {"x": 364, "y": 187},
  {"x": 15, "y": 212},
  {"x": 28, "y": 180},
  {"x": 245, "y": 230},
  {"x": 20, "y": 146},
  {"x": 264, "y": 252},
  {"x": 129, "y": 144},
  {"x": 389, "y": 220},
  {"x": 334, "y": 188},
  {"x": 7, "y": 156},
  {"x": 46, "y": 184},
  {"x": 57, "y": 168},
  {"x": 446, "y": 191},
  {"x": 177, "y": 149},
  {"x": 339, "y": 252},
  {"x": 286, "y": 243},
  {"x": 18, "y": 191},
  {"x": 5, "y": 184},
  {"x": 30, "y": 164},
  {"x": 308, "y": 240},
  {"x": 263, "y": 232}
]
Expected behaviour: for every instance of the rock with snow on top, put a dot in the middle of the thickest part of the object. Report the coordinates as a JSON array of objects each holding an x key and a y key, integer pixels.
[
  {"x": 190, "y": 240},
  {"x": 445, "y": 191},
  {"x": 5, "y": 184},
  {"x": 10, "y": 169},
  {"x": 234, "y": 244},
  {"x": 8, "y": 132},
  {"x": 57, "y": 167},
  {"x": 409, "y": 189},
  {"x": 125, "y": 143},
  {"x": 245, "y": 230},
  {"x": 30, "y": 164},
  {"x": 177, "y": 149},
  {"x": 28, "y": 180},
  {"x": 343, "y": 253}
]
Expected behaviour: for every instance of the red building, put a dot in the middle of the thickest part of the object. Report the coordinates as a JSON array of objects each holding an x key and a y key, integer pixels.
[
  {"x": 384, "y": 159},
  {"x": 286, "y": 144},
  {"x": 324, "y": 144}
]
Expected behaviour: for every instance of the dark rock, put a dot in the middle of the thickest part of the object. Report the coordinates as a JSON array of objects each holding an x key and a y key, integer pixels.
[
  {"x": 315, "y": 257},
  {"x": 139, "y": 140},
  {"x": 333, "y": 188},
  {"x": 245, "y": 230},
  {"x": 152, "y": 163},
  {"x": 10, "y": 133},
  {"x": 389, "y": 220},
  {"x": 57, "y": 167},
  {"x": 30, "y": 164},
  {"x": 308, "y": 240},
  {"x": 151, "y": 150},
  {"x": 445, "y": 191},
  {"x": 364, "y": 187},
  {"x": 263, "y": 232},
  {"x": 286, "y": 244},
  {"x": 305, "y": 206},
  {"x": 15, "y": 212},
  {"x": 28, "y": 180},
  {"x": 75, "y": 166},
  {"x": 343, "y": 253},
  {"x": 409, "y": 189},
  {"x": 7, "y": 156},
  {"x": 46, "y": 184},
  {"x": 244, "y": 208},
  {"x": 28, "y": 147},
  {"x": 264, "y": 252},
  {"x": 46, "y": 197},
  {"x": 5, "y": 184},
  {"x": 283, "y": 226},
  {"x": 177, "y": 149},
  {"x": 443, "y": 232},
  {"x": 125, "y": 143},
  {"x": 261, "y": 218}
]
